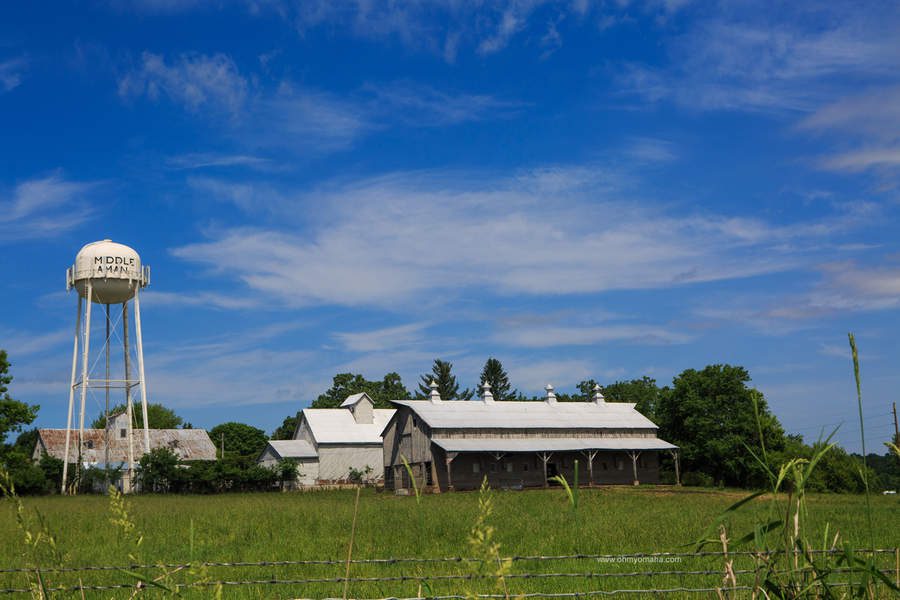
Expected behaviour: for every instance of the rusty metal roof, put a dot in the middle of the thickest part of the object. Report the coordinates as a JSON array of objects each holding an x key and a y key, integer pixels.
[{"x": 188, "y": 444}]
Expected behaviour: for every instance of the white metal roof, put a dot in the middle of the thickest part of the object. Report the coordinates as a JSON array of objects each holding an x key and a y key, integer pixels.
[
  {"x": 293, "y": 448},
  {"x": 536, "y": 444},
  {"x": 476, "y": 414},
  {"x": 353, "y": 399},
  {"x": 337, "y": 426}
]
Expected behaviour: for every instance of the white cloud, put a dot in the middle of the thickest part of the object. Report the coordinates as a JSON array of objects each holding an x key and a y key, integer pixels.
[
  {"x": 747, "y": 60},
  {"x": 548, "y": 232},
  {"x": 544, "y": 336},
  {"x": 287, "y": 116},
  {"x": 45, "y": 206},
  {"x": 870, "y": 121},
  {"x": 425, "y": 106},
  {"x": 11, "y": 73},
  {"x": 204, "y": 160},
  {"x": 22, "y": 343},
  {"x": 195, "y": 81},
  {"x": 388, "y": 338}
]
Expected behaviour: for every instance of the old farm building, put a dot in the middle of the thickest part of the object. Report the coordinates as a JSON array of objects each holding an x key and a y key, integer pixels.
[
  {"x": 455, "y": 444},
  {"x": 329, "y": 442},
  {"x": 186, "y": 444}
]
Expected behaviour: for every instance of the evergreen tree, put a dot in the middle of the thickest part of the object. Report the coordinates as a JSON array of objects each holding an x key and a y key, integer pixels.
[
  {"x": 494, "y": 374},
  {"x": 448, "y": 388}
]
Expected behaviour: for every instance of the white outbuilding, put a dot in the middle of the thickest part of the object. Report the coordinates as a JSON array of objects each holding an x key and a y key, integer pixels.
[{"x": 332, "y": 443}]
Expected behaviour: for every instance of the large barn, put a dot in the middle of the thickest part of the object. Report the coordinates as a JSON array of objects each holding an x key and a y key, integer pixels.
[
  {"x": 455, "y": 444},
  {"x": 330, "y": 442}
]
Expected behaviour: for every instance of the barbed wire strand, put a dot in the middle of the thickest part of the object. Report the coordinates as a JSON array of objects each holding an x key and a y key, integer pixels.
[{"x": 605, "y": 558}]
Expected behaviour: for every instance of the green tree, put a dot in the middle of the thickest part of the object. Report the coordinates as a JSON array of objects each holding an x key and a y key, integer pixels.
[
  {"x": 347, "y": 384},
  {"x": 158, "y": 470},
  {"x": 391, "y": 388},
  {"x": 584, "y": 394},
  {"x": 286, "y": 430},
  {"x": 160, "y": 416},
  {"x": 240, "y": 439},
  {"x": 14, "y": 415},
  {"x": 494, "y": 374},
  {"x": 643, "y": 392},
  {"x": 448, "y": 388},
  {"x": 710, "y": 415}
]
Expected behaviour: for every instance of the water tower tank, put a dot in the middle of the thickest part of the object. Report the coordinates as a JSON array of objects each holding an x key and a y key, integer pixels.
[{"x": 112, "y": 269}]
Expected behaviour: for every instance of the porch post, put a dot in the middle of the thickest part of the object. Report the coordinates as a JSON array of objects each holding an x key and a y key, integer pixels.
[
  {"x": 449, "y": 459},
  {"x": 591, "y": 455},
  {"x": 634, "y": 457},
  {"x": 545, "y": 458},
  {"x": 674, "y": 454}
]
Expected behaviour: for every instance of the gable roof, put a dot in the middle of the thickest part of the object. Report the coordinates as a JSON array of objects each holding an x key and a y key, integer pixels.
[
  {"x": 292, "y": 449},
  {"x": 188, "y": 444},
  {"x": 338, "y": 426},
  {"x": 354, "y": 398},
  {"x": 476, "y": 414}
]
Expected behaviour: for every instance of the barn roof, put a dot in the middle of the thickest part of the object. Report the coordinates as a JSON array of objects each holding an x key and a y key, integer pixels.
[
  {"x": 293, "y": 449},
  {"x": 353, "y": 399},
  {"x": 188, "y": 444},
  {"x": 476, "y": 414},
  {"x": 336, "y": 426},
  {"x": 539, "y": 444}
]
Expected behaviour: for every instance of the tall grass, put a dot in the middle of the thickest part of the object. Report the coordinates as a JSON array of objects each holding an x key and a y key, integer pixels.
[{"x": 789, "y": 563}]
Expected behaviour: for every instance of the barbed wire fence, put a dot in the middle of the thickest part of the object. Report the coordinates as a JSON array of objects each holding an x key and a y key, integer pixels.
[{"x": 441, "y": 578}]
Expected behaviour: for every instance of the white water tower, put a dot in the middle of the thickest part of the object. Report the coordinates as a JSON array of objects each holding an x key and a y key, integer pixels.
[{"x": 108, "y": 274}]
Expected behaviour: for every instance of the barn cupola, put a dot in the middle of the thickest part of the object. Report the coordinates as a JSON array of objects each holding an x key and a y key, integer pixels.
[
  {"x": 551, "y": 395},
  {"x": 486, "y": 394},
  {"x": 598, "y": 395},
  {"x": 434, "y": 395},
  {"x": 361, "y": 407}
]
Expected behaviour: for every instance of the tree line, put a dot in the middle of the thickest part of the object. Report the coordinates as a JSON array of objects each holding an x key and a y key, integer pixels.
[{"x": 713, "y": 415}]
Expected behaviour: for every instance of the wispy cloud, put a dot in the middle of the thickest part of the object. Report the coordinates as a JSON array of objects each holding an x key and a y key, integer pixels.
[
  {"x": 742, "y": 60},
  {"x": 205, "y": 160},
  {"x": 424, "y": 106},
  {"x": 870, "y": 121},
  {"x": 555, "y": 336},
  {"x": 195, "y": 81},
  {"x": 546, "y": 232},
  {"x": 388, "y": 338},
  {"x": 22, "y": 343},
  {"x": 11, "y": 71},
  {"x": 40, "y": 207},
  {"x": 288, "y": 116}
]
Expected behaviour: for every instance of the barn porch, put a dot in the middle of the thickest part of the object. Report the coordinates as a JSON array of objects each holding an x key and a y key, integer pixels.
[{"x": 518, "y": 463}]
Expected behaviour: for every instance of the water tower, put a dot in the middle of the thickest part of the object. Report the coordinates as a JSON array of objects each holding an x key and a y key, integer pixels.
[{"x": 108, "y": 274}]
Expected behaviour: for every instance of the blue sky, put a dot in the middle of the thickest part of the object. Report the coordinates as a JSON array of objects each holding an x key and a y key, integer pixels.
[{"x": 580, "y": 189}]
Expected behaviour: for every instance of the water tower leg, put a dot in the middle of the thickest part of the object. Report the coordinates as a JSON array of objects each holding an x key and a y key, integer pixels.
[
  {"x": 86, "y": 336},
  {"x": 140, "y": 357},
  {"x": 65, "y": 473},
  {"x": 129, "y": 409}
]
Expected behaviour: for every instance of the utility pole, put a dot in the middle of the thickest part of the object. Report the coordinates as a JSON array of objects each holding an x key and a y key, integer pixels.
[
  {"x": 223, "y": 446},
  {"x": 896, "y": 429}
]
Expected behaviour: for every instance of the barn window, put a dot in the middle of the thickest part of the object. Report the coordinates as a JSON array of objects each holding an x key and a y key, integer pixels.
[
  {"x": 123, "y": 433},
  {"x": 604, "y": 466},
  {"x": 89, "y": 444},
  {"x": 415, "y": 422},
  {"x": 509, "y": 468},
  {"x": 620, "y": 464},
  {"x": 476, "y": 468},
  {"x": 493, "y": 467},
  {"x": 524, "y": 466}
]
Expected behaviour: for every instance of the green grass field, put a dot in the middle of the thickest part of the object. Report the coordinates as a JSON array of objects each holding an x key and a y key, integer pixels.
[{"x": 316, "y": 525}]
